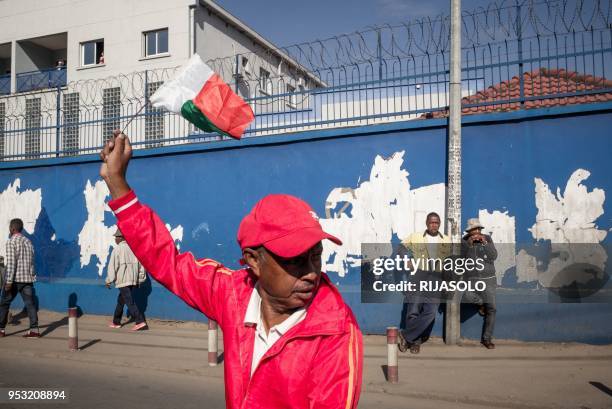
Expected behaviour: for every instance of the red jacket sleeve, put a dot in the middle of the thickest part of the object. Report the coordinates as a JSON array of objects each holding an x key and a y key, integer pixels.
[
  {"x": 203, "y": 284},
  {"x": 335, "y": 378}
]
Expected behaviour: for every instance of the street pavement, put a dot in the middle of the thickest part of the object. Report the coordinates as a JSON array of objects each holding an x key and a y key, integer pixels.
[{"x": 166, "y": 367}]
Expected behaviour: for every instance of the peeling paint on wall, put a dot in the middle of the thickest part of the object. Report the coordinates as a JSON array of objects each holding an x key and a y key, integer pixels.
[
  {"x": 375, "y": 210},
  {"x": 25, "y": 205},
  {"x": 95, "y": 238},
  {"x": 501, "y": 227},
  {"x": 565, "y": 219},
  {"x": 177, "y": 234}
]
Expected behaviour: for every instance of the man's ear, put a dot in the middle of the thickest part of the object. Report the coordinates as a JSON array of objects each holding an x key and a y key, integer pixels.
[{"x": 252, "y": 258}]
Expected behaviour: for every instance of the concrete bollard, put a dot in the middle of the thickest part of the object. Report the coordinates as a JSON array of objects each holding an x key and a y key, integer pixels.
[
  {"x": 73, "y": 332},
  {"x": 212, "y": 343},
  {"x": 392, "y": 371}
]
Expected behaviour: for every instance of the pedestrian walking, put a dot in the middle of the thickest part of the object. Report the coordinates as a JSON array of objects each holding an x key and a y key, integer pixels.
[
  {"x": 126, "y": 272},
  {"x": 20, "y": 277}
]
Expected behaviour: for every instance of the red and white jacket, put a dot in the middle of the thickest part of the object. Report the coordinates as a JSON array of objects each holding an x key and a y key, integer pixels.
[{"x": 316, "y": 364}]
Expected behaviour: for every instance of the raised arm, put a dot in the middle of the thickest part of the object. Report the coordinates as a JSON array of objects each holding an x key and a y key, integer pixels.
[{"x": 204, "y": 285}]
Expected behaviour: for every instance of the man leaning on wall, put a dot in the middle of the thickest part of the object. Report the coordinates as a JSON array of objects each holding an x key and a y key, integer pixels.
[{"x": 422, "y": 306}]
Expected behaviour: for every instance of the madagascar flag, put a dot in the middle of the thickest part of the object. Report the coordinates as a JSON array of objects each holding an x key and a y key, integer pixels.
[{"x": 201, "y": 97}]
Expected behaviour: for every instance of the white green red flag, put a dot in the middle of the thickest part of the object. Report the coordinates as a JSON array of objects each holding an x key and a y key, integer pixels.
[{"x": 204, "y": 99}]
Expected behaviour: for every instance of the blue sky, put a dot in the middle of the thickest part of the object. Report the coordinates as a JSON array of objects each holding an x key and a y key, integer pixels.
[{"x": 287, "y": 22}]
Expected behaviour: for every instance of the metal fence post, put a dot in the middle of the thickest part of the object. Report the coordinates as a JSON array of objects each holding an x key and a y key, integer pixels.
[
  {"x": 236, "y": 73},
  {"x": 379, "y": 54},
  {"x": 58, "y": 120},
  {"x": 520, "y": 52}
]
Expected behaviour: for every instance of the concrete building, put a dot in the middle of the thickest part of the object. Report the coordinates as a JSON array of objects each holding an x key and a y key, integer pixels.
[
  {"x": 71, "y": 71},
  {"x": 97, "y": 40}
]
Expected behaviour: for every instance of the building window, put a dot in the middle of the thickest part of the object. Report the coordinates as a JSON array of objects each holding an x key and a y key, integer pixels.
[
  {"x": 265, "y": 85},
  {"x": 32, "y": 123},
  {"x": 92, "y": 53},
  {"x": 154, "y": 119},
  {"x": 111, "y": 111},
  {"x": 292, "y": 97},
  {"x": 246, "y": 67},
  {"x": 155, "y": 42},
  {"x": 71, "y": 124}
]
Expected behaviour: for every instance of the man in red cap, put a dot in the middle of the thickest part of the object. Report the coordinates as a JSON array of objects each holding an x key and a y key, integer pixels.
[{"x": 289, "y": 339}]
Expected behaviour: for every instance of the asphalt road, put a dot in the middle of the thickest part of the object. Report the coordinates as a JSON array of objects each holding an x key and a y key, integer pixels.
[{"x": 94, "y": 386}]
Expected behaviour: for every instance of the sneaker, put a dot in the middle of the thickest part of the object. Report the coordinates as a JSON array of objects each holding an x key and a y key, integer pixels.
[
  {"x": 32, "y": 334},
  {"x": 113, "y": 325},
  {"x": 138, "y": 327}
]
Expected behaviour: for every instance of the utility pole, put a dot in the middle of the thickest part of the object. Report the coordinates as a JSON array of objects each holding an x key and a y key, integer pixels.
[{"x": 452, "y": 328}]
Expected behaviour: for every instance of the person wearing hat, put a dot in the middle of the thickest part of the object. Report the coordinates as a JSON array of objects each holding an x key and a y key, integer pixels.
[
  {"x": 476, "y": 245},
  {"x": 289, "y": 339},
  {"x": 127, "y": 273}
]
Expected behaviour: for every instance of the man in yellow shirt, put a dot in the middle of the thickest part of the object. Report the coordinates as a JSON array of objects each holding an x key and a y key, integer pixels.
[{"x": 422, "y": 306}]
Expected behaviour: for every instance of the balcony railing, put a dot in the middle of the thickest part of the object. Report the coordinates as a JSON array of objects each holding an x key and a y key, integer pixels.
[
  {"x": 5, "y": 84},
  {"x": 35, "y": 80}
]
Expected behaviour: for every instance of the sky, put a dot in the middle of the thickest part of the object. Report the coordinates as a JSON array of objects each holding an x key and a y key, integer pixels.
[{"x": 287, "y": 22}]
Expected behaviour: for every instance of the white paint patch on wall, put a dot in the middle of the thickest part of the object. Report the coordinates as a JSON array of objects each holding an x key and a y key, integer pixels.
[
  {"x": 378, "y": 208},
  {"x": 95, "y": 238},
  {"x": 565, "y": 219},
  {"x": 177, "y": 234},
  {"x": 502, "y": 229},
  {"x": 25, "y": 205}
]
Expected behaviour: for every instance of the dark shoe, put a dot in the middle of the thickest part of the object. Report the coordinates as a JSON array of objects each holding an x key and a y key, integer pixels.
[
  {"x": 424, "y": 339},
  {"x": 2, "y": 333},
  {"x": 32, "y": 334},
  {"x": 482, "y": 311},
  {"x": 488, "y": 344},
  {"x": 415, "y": 348},
  {"x": 402, "y": 344}
]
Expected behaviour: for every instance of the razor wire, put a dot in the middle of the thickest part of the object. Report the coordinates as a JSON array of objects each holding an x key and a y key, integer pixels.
[{"x": 399, "y": 65}]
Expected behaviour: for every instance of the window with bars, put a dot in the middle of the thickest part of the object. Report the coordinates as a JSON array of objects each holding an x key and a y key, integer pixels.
[
  {"x": 32, "y": 124},
  {"x": 292, "y": 99},
  {"x": 154, "y": 120},
  {"x": 2, "y": 116},
  {"x": 111, "y": 111},
  {"x": 70, "y": 137},
  {"x": 265, "y": 84}
]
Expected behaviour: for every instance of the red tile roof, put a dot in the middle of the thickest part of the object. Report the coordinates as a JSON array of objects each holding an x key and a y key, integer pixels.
[{"x": 540, "y": 83}]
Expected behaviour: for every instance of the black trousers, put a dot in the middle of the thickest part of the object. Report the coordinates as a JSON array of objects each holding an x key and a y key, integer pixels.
[
  {"x": 126, "y": 298},
  {"x": 27, "y": 294}
]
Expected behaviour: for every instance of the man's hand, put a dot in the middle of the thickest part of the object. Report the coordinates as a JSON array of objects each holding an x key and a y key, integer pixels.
[
  {"x": 8, "y": 287},
  {"x": 108, "y": 285},
  {"x": 115, "y": 157}
]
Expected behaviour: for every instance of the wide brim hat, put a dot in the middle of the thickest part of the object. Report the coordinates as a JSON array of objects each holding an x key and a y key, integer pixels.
[{"x": 473, "y": 224}]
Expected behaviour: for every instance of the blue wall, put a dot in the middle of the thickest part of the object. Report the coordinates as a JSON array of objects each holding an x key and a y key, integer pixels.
[{"x": 214, "y": 185}]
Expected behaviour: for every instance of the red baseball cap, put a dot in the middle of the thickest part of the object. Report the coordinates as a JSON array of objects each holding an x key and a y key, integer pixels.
[{"x": 283, "y": 224}]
